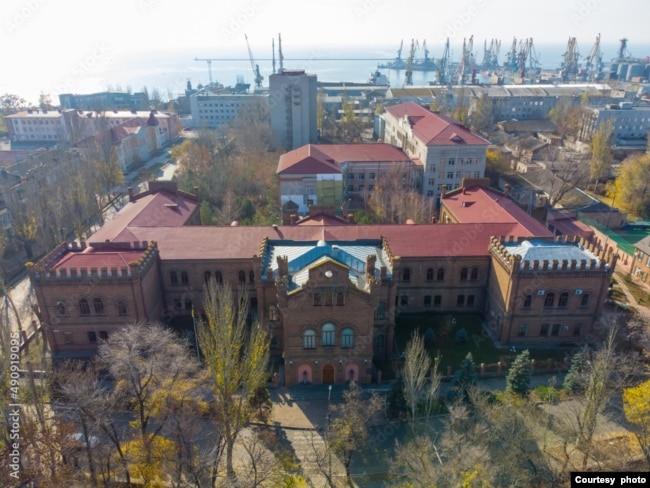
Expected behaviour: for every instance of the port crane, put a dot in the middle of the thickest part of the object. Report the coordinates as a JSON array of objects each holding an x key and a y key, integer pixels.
[
  {"x": 408, "y": 77},
  {"x": 443, "y": 65},
  {"x": 209, "y": 61},
  {"x": 256, "y": 67},
  {"x": 594, "y": 61},
  {"x": 570, "y": 64}
]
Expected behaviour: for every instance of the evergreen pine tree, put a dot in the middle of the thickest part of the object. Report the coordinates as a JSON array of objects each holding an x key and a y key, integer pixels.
[
  {"x": 465, "y": 378},
  {"x": 575, "y": 381},
  {"x": 518, "y": 380}
]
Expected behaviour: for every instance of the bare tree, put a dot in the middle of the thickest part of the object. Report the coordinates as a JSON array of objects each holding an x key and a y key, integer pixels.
[
  {"x": 420, "y": 389},
  {"x": 236, "y": 356},
  {"x": 349, "y": 432}
]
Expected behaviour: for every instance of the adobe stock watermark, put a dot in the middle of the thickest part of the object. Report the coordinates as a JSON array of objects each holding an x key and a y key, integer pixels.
[
  {"x": 13, "y": 415},
  {"x": 22, "y": 14},
  {"x": 459, "y": 25},
  {"x": 365, "y": 8},
  {"x": 244, "y": 15},
  {"x": 584, "y": 10},
  {"x": 83, "y": 67}
]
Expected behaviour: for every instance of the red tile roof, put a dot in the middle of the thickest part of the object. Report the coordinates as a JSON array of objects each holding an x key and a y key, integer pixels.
[
  {"x": 433, "y": 128},
  {"x": 327, "y": 158},
  {"x": 477, "y": 204},
  {"x": 438, "y": 240},
  {"x": 104, "y": 257},
  {"x": 157, "y": 209}
]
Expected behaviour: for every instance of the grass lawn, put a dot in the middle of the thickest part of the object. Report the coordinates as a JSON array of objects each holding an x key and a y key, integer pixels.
[{"x": 445, "y": 327}]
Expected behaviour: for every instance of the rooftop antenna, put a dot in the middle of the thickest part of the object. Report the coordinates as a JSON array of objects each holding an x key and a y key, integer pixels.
[
  {"x": 280, "y": 54},
  {"x": 273, "y": 52}
]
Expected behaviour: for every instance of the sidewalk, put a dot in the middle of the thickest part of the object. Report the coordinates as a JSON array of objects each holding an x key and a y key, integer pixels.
[{"x": 304, "y": 407}]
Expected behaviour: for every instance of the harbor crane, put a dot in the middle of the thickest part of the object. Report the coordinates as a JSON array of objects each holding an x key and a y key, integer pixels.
[
  {"x": 570, "y": 64},
  {"x": 594, "y": 61},
  {"x": 256, "y": 67},
  {"x": 408, "y": 78},
  {"x": 209, "y": 61},
  {"x": 443, "y": 65}
]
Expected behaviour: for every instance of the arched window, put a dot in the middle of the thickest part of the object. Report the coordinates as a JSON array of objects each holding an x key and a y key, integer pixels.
[
  {"x": 406, "y": 274},
  {"x": 206, "y": 277},
  {"x": 218, "y": 277},
  {"x": 184, "y": 278},
  {"x": 528, "y": 301},
  {"x": 318, "y": 299},
  {"x": 440, "y": 275},
  {"x": 251, "y": 276},
  {"x": 430, "y": 274},
  {"x": 84, "y": 307},
  {"x": 242, "y": 277},
  {"x": 273, "y": 313},
  {"x": 549, "y": 301},
  {"x": 121, "y": 308},
  {"x": 60, "y": 308},
  {"x": 98, "y": 305},
  {"x": 173, "y": 278},
  {"x": 463, "y": 274},
  {"x": 563, "y": 300},
  {"x": 309, "y": 339},
  {"x": 474, "y": 274},
  {"x": 329, "y": 338},
  {"x": 347, "y": 338}
]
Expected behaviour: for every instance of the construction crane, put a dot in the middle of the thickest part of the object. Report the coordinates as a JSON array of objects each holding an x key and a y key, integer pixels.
[
  {"x": 256, "y": 67},
  {"x": 209, "y": 61},
  {"x": 408, "y": 77}
]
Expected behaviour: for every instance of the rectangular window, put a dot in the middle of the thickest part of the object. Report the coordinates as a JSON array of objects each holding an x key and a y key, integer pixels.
[
  {"x": 427, "y": 301},
  {"x": 361, "y": 176},
  {"x": 470, "y": 300},
  {"x": 437, "y": 301},
  {"x": 460, "y": 300},
  {"x": 350, "y": 187},
  {"x": 350, "y": 176},
  {"x": 360, "y": 187},
  {"x": 432, "y": 181},
  {"x": 450, "y": 175},
  {"x": 522, "y": 330},
  {"x": 451, "y": 161},
  {"x": 404, "y": 300},
  {"x": 371, "y": 176},
  {"x": 556, "y": 330},
  {"x": 543, "y": 331},
  {"x": 67, "y": 338},
  {"x": 477, "y": 174},
  {"x": 92, "y": 337}
]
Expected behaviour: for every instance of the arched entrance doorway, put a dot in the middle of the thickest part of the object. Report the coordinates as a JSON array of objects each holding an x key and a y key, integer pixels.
[{"x": 328, "y": 373}]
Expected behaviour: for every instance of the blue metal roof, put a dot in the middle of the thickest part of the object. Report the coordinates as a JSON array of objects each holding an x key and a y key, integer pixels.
[{"x": 303, "y": 255}]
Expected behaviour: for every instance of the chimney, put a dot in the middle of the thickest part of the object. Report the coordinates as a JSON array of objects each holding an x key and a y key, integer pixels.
[
  {"x": 506, "y": 190},
  {"x": 131, "y": 197},
  {"x": 464, "y": 191},
  {"x": 443, "y": 191},
  {"x": 371, "y": 261},
  {"x": 293, "y": 219},
  {"x": 196, "y": 191},
  {"x": 350, "y": 218},
  {"x": 433, "y": 220}
]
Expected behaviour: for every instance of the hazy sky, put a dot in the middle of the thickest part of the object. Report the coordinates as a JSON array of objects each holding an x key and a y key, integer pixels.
[{"x": 55, "y": 44}]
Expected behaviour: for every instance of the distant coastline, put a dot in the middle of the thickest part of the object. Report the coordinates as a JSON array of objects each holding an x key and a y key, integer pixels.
[{"x": 169, "y": 71}]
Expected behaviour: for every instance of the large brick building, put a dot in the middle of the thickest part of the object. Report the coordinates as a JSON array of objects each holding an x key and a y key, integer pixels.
[{"x": 327, "y": 291}]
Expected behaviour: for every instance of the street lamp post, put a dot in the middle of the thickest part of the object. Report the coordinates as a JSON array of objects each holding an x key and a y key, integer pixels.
[{"x": 329, "y": 423}]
